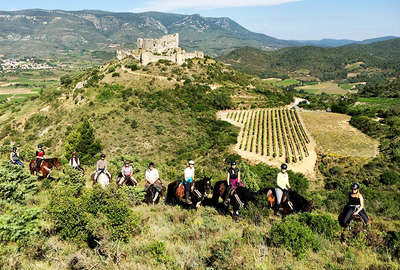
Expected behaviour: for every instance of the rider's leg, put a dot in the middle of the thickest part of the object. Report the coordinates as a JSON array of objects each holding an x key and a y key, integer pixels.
[
  {"x": 187, "y": 191},
  {"x": 348, "y": 216},
  {"x": 227, "y": 194},
  {"x": 279, "y": 194},
  {"x": 20, "y": 163},
  {"x": 364, "y": 216}
]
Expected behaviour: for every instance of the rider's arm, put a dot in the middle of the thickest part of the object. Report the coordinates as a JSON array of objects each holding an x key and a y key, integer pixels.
[
  {"x": 97, "y": 165},
  {"x": 227, "y": 179},
  {"x": 105, "y": 165},
  {"x": 78, "y": 162},
  {"x": 11, "y": 156},
  {"x": 361, "y": 205},
  {"x": 239, "y": 176},
  {"x": 70, "y": 162},
  {"x": 157, "y": 175}
]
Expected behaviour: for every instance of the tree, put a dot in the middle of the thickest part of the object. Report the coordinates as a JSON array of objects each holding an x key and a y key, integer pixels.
[{"x": 82, "y": 141}]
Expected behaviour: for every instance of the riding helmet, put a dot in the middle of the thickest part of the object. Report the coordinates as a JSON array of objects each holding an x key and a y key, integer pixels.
[
  {"x": 14, "y": 148},
  {"x": 233, "y": 163},
  {"x": 283, "y": 166},
  {"x": 73, "y": 153},
  {"x": 354, "y": 186},
  {"x": 191, "y": 162},
  {"x": 40, "y": 146},
  {"x": 103, "y": 155},
  {"x": 151, "y": 164}
]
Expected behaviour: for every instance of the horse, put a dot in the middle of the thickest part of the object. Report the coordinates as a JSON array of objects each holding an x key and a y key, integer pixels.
[
  {"x": 197, "y": 193},
  {"x": 291, "y": 202},
  {"x": 128, "y": 180},
  {"x": 102, "y": 179},
  {"x": 46, "y": 166},
  {"x": 155, "y": 192},
  {"x": 240, "y": 197},
  {"x": 356, "y": 218}
]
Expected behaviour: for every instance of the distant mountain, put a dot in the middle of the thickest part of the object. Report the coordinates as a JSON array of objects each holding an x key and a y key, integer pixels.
[
  {"x": 324, "y": 63},
  {"x": 340, "y": 42},
  {"x": 54, "y": 32}
]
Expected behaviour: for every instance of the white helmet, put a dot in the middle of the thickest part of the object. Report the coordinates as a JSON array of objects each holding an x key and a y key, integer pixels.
[{"x": 191, "y": 162}]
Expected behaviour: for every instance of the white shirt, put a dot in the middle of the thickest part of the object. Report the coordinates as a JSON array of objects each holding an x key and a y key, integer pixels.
[
  {"x": 152, "y": 175},
  {"x": 282, "y": 180},
  {"x": 74, "y": 162},
  {"x": 189, "y": 173}
]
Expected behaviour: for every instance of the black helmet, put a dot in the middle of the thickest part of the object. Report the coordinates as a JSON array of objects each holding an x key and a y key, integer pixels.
[
  {"x": 103, "y": 155},
  {"x": 233, "y": 163},
  {"x": 354, "y": 186},
  {"x": 283, "y": 166},
  {"x": 40, "y": 146},
  {"x": 14, "y": 148},
  {"x": 151, "y": 164}
]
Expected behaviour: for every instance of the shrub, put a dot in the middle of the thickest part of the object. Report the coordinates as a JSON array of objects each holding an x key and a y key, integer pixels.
[
  {"x": 115, "y": 74},
  {"x": 160, "y": 255},
  {"x": 21, "y": 225},
  {"x": 82, "y": 141},
  {"x": 96, "y": 214},
  {"x": 132, "y": 66},
  {"x": 298, "y": 182},
  {"x": 15, "y": 183},
  {"x": 73, "y": 178},
  {"x": 390, "y": 177},
  {"x": 320, "y": 224},
  {"x": 290, "y": 233},
  {"x": 221, "y": 253},
  {"x": 27, "y": 153},
  {"x": 393, "y": 243}
]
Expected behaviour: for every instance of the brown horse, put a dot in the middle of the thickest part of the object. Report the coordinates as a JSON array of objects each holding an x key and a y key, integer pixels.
[
  {"x": 155, "y": 192},
  {"x": 46, "y": 166}
]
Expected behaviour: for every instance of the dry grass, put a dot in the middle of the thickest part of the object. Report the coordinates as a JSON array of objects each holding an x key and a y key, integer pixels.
[
  {"x": 334, "y": 135},
  {"x": 324, "y": 87}
]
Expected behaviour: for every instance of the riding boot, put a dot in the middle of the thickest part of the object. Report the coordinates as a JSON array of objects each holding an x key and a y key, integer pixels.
[{"x": 227, "y": 196}]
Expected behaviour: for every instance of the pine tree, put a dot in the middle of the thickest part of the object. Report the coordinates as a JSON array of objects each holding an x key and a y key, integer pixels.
[{"x": 82, "y": 141}]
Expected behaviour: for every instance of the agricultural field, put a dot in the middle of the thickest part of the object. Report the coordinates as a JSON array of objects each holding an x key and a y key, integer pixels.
[
  {"x": 286, "y": 83},
  {"x": 273, "y": 136},
  {"x": 335, "y": 136},
  {"x": 331, "y": 88},
  {"x": 377, "y": 102}
]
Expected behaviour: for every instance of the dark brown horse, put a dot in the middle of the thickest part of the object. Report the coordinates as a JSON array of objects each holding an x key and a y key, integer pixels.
[
  {"x": 46, "y": 166},
  {"x": 155, "y": 192},
  {"x": 198, "y": 193},
  {"x": 291, "y": 202}
]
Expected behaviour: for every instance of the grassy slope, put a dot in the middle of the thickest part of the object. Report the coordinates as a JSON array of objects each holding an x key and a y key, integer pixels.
[{"x": 189, "y": 236}]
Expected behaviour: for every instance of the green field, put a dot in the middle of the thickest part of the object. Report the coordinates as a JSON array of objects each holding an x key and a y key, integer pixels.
[
  {"x": 346, "y": 86},
  {"x": 379, "y": 103},
  {"x": 287, "y": 82}
]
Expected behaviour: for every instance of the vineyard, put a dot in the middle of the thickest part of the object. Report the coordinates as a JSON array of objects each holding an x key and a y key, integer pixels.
[{"x": 271, "y": 134}]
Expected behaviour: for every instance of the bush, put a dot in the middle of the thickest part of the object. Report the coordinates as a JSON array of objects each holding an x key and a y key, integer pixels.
[
  {"x": 290, "y": 233},
  {"x": 20, "y": 226},
  {"x": 132, "y": 66},
  {"x": 27, "y": 153},
  {"x": 115, "y": 74},
  {"x": 298, "y": 182},
  {"x": 390, "y": 177},
  {"x": 320, "y": 224},
  {"x": 15, "y": 183},
  {"x": 393, "y": 243},
  {"x": 97, "y": 214},
  {"x": 82, "y": 141},
  {"x": 160, "y": 255},
  {"x": 73, "y": 178},
  {"x": 221, "y": 254}
]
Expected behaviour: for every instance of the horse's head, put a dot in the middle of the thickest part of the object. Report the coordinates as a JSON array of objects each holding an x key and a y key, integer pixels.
[
  {"x": 207, "y": 185},
  {"x": 57, "y": 163}
]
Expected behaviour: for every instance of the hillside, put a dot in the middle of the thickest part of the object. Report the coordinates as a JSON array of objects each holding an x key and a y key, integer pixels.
[
  {"x": 327, "y": 42},
  {"x": 167, "y": 114},
  {"x": 324, "y": 63},
  {"x": 47, "y": 33}
]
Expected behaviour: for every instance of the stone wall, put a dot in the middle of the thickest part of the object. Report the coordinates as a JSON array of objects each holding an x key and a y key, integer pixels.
[{"x": 161, "y": 45}]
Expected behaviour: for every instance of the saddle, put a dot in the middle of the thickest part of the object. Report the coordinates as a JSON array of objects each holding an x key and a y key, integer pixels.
[
  {"x": 159, "y": 186},
  {"x": 271, "y": 198},
  {"x": 180, "y": 191}
]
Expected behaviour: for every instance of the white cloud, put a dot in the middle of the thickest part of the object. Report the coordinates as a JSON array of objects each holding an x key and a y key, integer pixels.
[{"x": 169, "y": 5}]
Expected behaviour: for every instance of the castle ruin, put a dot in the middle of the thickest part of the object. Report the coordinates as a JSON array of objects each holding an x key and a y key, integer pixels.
[{"x": 153, "y": 50}]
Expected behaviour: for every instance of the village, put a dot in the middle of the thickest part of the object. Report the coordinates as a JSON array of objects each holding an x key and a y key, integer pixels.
[{"x": 10, "y": 64}]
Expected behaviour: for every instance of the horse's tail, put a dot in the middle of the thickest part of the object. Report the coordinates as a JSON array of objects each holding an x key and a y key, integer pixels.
[
  {"x": 216, "y": 193},
  {"x": 32, "y": 166},
  {"x": 170, "y": 199}
]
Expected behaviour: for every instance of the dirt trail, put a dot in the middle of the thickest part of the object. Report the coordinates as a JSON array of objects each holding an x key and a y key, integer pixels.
[{"x": 306, "y": 166}]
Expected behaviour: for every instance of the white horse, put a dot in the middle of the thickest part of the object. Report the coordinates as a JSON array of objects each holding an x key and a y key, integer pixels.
[{"x": 103, "y": 180}]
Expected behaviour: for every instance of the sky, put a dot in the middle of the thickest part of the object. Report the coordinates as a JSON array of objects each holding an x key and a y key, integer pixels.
[{"x": 285, "y": 19}]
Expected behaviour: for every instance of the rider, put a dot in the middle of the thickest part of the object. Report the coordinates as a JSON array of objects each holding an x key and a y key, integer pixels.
[
  {"x": 101, "y": 167},
  {"x": 74, "y": 161},
  {"x": 151, "y": 176},
  {"x": 126, "y": 172},
  {"x": 188, "y": 180},
  {"x": 355, "y": 205},
  {"x": 233, "y": 179},
  {"x": 282, "y": 181},
  {"x": 14, "y": 157},
  {"x": 39, "y": 156}
]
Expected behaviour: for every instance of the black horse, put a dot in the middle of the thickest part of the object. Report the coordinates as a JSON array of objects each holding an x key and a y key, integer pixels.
[
  {"x": 197, "y": 194},
  {"x": 292, "y": 202},
  {"x": 154, "y": 193},
  {"x": 239, "y": 198}
]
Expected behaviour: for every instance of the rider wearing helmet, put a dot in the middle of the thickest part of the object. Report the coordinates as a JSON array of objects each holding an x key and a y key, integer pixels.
[
  {"x": 282, "y": 181},
  {"x": 188, "y": 180},
  {"x": 151, "y": 176},
  {"x": 14, "y": 157},
  {"x": 101, "y": 167},
  {"x": 126, "y": 174},
  {"x": 233, "y": 180},
  {"x": 355, "y": 206},
  {"x": 39, "y": 156}
]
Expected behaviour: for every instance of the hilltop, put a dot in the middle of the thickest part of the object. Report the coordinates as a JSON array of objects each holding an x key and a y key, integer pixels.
[
  {"x": 324, "y": 63},
  {"x": 166, "y": 113}
]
